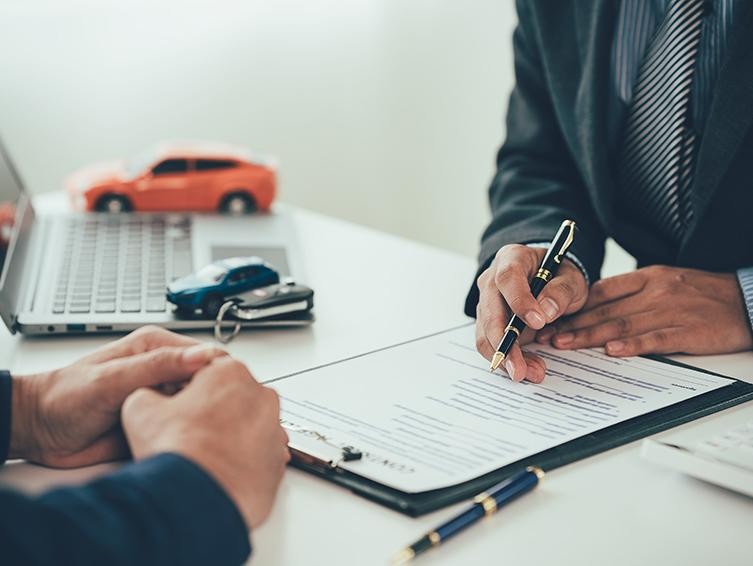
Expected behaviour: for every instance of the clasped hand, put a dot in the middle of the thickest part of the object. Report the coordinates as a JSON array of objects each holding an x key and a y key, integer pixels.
[
  {"x": 653, "y": 310},
  {"x": 70, "y": 417},
  {"x": 154, "y": 392}
]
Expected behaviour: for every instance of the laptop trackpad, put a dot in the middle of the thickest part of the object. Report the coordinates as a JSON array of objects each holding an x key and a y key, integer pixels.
[{"x": 276, "y": 255}]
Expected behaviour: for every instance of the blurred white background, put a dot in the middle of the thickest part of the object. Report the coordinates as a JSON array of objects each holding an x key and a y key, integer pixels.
[
  {"x": 384, "y": 112},
  {"x": 387, "y": 113}
]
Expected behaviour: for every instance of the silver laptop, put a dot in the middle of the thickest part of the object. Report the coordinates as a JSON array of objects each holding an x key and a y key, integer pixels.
[{"x": 81, "y": 273}]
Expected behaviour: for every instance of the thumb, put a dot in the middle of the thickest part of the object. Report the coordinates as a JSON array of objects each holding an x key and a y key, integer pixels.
[
  {"x": 123, "y": 376},
  {"x": 142, "y": 417},
  {"x": 140, "y": 404}
]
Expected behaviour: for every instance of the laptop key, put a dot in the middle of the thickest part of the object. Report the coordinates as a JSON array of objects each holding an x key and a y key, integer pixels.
[
  {"x": 105, "y": 306},
  {"x": 79, "y": 308},
  {"x": 130, "y": 306},
  {"x": 156, "y": 305}
]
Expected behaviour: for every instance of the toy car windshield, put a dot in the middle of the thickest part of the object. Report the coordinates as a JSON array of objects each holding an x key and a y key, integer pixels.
[{"x": 212, "y": 273}]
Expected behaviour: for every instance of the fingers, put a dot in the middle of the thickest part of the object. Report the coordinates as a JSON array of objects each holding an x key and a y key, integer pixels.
[
  {"x": 512, "y": 273},
  {"x": 489, "y": 331},
  {"x": 524, "y": 365},
  {"x": 141, "y": 402},
  {"x": 564, "y": 294},
  {"x": 519, "y": 365},
  {"x": 483, "y": 345},
  {"x": 108, "y": 448},
  {"x": 122, "y": 376},
  {"x": 606, "y": 300},
  {"x": 140, "y": 416},
  {"x": 536, "y": 367},
  {"x": 492, "y": 316},
  {"x": 664, "y": 341},
  {"x": 222, "y": 368},
  {"x": 607, "y": 330},
  {"x": 515, "y": 364},
  {"x": 493, "y": 313},
  {"x": 616, "y": 287},
  {"x": 600, "y": 314},
  {"x": 142, "y": 340}
]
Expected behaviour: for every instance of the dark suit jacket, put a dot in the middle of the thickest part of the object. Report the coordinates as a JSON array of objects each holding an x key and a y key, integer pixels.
[
  {"x": 163, "y": 511},
  {"x": 555, "y": 163}
]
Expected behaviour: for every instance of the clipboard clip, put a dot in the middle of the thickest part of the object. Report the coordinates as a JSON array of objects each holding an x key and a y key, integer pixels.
[{"x": 340, "y": 453}]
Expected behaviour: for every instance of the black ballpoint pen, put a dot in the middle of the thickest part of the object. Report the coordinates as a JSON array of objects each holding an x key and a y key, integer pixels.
[
  {"x": 484, "y": 505},
  {"x": 552, "y": 260}
]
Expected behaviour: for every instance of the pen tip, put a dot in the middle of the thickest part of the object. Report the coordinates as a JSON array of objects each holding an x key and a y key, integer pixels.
[
  {"x": 402, "y": 557},
  {"x": 496, "y": 361}
]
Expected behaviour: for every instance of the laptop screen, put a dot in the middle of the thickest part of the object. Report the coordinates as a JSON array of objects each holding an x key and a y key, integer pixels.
[
  {"x": 10, "y": 193},
  {"x": 16, "y": 220}
]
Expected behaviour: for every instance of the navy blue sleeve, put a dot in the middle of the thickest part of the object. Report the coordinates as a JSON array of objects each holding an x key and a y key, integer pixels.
[
  {"x": 5, "y": 403},
  {"x": 165, "y": 510}
]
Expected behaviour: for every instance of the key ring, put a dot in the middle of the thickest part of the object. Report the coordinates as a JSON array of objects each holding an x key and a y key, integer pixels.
[{"x": 226, "y": 306}]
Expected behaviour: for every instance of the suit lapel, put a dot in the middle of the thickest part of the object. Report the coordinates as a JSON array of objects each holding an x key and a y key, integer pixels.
[
  {"x": 595, "y": 23},
  {"x": 730, "y": 115}
]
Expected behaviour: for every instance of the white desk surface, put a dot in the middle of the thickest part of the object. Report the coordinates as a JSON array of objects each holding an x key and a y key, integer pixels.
[{"x": 374, "y": 290}]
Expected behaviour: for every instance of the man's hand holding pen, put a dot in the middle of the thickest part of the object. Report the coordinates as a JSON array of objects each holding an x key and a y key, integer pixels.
[
  {"x": 505, "y": 290},
  {"x": 654, "y": 310}
]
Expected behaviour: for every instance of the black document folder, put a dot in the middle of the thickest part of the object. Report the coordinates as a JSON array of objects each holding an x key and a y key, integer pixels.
[{"x": 415, "y": 504}]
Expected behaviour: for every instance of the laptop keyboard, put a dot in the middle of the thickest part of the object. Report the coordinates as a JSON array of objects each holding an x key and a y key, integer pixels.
[{"x": 121, "y": 263}]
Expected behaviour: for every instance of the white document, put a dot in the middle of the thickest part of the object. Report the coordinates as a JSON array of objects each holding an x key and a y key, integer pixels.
[{"x": 428, "y": 414}]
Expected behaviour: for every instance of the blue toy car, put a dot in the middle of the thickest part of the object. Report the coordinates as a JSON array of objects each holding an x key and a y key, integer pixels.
[{"x": 207, "y": 288}]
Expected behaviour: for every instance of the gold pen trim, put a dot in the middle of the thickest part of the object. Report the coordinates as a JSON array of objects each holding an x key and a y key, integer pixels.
[
  {"x": 512, "y": 329},
  {"x": 536, "y": 470},
  {"x": 544, "y": 274},
  {"x": 434, "y": 538},
  {"x": 402, "y": 557},
  {"x": 487, "y": 502}
]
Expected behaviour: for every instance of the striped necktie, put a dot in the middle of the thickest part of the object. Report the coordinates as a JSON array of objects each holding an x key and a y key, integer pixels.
[{"x": 656, "y": 160}]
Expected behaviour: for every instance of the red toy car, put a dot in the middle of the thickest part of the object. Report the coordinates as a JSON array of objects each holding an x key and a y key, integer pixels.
[
  {"x": 177, "y": 176},
  {"x": 7, "y": 220}
]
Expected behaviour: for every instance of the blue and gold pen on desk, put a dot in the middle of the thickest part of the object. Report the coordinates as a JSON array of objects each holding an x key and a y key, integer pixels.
[{"x": 484, "y": 505}]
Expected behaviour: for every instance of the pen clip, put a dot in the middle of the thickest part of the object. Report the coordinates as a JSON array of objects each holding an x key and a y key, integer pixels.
[{"x": 569, "y": 227}]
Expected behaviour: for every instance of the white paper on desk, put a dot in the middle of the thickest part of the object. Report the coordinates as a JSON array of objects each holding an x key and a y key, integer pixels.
[{"x": 428, "y": 414}]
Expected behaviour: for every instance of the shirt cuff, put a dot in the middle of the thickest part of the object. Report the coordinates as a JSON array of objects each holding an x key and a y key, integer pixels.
[
  {"x": 5, "y": 414},
  {"x": 745, "y": 278},
  {"x": 568, "y": 255}
]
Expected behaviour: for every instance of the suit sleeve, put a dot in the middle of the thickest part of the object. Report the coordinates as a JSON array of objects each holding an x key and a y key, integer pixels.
[
  {"x": 537, "y": 184},
  {"x": 165, "y": 510},
  {"x": 745, "y": 279},
  {"x": 5, "y": 405}
]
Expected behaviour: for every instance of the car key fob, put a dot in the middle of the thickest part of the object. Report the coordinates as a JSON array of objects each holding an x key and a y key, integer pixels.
[
  {"x": 274, "y": 300},
  {"x": 280, "y": 303}
]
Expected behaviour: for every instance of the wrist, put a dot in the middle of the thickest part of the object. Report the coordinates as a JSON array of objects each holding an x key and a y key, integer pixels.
[
  {"x": 23, "y": 416},
  {"x": 149, "y": 440}
]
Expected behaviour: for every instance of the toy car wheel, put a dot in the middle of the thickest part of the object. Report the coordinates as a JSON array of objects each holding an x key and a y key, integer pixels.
[
  {"x": 113, "y": 204},
  {"x": 210, "y": 306},
  {"x": 237, "y": 204},
  {"x": 184, "y": 311}
]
